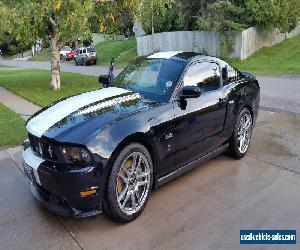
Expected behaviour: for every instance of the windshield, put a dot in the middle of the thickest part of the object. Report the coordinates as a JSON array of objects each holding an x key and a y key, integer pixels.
[
  {"x": 91, "y": 50},
  {"x": 153, "y": 78},
  {"x": 66, "y": 48}
]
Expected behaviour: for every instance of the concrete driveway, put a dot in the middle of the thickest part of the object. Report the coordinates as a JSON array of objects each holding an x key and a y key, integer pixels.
[{"x": 204, "y": 209}]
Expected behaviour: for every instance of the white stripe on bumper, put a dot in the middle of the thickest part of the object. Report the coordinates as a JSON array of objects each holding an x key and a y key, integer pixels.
[
  {"x": 33, "y": 161},
  {"x": 39, "y": 124}
]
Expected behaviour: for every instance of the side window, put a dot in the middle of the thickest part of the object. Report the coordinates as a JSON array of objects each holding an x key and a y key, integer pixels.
[
  {"x": 84, "y": 51},
  {"x": 204, "y": 75}
]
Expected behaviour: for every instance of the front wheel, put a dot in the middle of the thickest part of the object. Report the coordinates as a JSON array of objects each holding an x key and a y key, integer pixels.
[
  {"x": 130, "y": 183},
  {"x": 240, "y": 139}
]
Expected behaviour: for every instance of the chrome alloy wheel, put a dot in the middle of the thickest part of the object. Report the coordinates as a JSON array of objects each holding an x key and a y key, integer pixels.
[
  {"x": 244, "y": 132},
  {"x": 133, "y": 183}
]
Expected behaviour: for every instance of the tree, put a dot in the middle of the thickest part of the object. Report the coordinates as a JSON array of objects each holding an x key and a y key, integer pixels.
[
  {"x": 221, "y": 16},
  {"x": 59, "y": 21},
  {"x": 269, "y": 14},
  {"x": 115, "y": 17},
  {"x": 234, "y": 15},
  {"x": 187, "y": 13},
  {"x": 160, "y": 12}
]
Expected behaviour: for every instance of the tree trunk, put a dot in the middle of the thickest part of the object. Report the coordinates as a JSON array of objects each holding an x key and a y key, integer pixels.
[{"x": 55, "y": 61}]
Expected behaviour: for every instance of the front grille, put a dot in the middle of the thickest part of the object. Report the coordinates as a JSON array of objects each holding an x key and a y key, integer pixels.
[{"x": 42, "y": 148}]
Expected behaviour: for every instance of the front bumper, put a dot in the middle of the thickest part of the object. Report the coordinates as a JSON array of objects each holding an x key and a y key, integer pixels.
[
  {"x": 59, "y": 191},
  {"x": 59, "y": 205}
]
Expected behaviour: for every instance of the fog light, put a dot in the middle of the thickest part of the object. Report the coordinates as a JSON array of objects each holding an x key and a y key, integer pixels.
[{"x": 88, "y": 192}]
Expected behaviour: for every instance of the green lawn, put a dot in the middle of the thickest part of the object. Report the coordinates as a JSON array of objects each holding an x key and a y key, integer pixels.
[
  {"x": 33, "y": 85},
  {"x": 281, "y": 59},
  {"x": 42, "y": 56},
  {"x": 2, "y": 66},
  {"x": 123, "y": 51},
  {"x": 12, "y": 127}
]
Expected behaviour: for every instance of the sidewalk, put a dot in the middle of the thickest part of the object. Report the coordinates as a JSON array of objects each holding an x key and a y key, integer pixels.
[{"x": 21, "y": 106}]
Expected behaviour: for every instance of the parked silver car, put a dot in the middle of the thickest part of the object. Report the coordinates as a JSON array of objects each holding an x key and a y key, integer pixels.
[{"x": 85, "y": 56}]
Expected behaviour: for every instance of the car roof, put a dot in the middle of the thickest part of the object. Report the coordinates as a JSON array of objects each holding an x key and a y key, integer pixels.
[{"x": 184, "y": 56}]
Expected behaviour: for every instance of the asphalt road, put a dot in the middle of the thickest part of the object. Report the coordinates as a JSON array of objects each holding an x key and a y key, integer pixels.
[
  {"x": 203, "y": 209},
  {"x": 277, "y": 94},
  {"x": 280, "y": 94},
  {"x": 66, "y": 67}
]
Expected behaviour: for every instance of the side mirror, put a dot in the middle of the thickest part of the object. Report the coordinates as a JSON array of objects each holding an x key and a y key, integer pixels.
[
  {"x": 189, "y": 92},
  {"x": 225, "y": 74},
  {"x": 105, "y": 80},
  {"x": 108, "y": 79}
]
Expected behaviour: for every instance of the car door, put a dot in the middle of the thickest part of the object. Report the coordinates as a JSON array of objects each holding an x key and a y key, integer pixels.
[
  {"x": 79, "y": 55},
  {"x": 84, "y": 53},
  {"x": 198, "y": 127}
]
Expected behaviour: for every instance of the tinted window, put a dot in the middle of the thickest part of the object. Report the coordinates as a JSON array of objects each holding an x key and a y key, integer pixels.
[
  {"x": 153, "y": 78},
  {"x": 204, "y": 75}
]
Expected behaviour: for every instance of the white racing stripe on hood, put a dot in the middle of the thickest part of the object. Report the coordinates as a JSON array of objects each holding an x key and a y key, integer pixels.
[{"x": 39, "y": 124}]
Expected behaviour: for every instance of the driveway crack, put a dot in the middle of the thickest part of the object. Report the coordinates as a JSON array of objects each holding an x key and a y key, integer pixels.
[
  {"x": 275, "y": 165},
  {"x": 70, "y": 233}
]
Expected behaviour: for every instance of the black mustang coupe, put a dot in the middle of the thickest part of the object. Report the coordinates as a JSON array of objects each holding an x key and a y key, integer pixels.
[{"x": 162, "y": 116}]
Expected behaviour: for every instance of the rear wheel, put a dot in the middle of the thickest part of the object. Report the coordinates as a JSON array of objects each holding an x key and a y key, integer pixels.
[
  {"x": 240, "y": 139},
  {"x": 130, "y": 183}
]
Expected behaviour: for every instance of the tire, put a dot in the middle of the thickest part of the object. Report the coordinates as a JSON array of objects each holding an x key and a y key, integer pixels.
[
  {"x": 240, "y": 140},
  {"x": 127, "y": 193}
]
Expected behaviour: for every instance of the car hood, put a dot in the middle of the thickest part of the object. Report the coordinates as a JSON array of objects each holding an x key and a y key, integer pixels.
[{"x": 77, "y": 118}]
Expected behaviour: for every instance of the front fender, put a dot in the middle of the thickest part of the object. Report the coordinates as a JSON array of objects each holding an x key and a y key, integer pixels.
[{"x": 107, "y": 139}]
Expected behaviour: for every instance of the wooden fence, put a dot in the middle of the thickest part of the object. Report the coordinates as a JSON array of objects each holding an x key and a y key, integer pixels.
[{"x": 240, "y": 45}]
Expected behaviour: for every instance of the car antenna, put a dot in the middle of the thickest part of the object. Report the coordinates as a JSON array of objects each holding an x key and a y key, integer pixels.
[{"x": 111, "y": 70}]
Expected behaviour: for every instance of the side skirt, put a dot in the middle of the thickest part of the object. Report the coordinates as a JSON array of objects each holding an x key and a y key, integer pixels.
[{"x": 191, "y": 165}]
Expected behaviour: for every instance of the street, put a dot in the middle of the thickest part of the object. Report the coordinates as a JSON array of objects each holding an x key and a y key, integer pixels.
[
  {"x": 204, "y": 209},
  {"x": 65, "y": 67}
]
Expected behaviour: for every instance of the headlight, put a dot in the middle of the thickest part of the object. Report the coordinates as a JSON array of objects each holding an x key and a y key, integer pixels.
[{"x": 76, "y": 155}]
